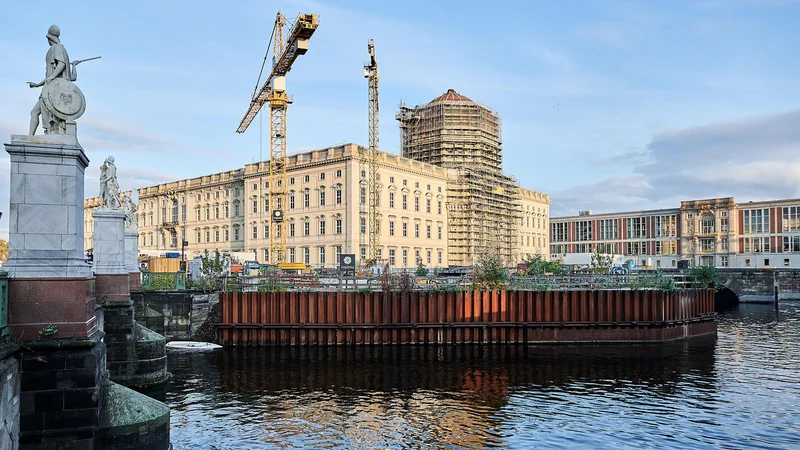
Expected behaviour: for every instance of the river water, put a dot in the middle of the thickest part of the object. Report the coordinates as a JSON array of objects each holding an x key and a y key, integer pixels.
[{"x": 740, "y": 390}]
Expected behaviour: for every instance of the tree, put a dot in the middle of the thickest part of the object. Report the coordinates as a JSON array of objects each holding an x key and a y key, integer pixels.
[
  {"x": 212, "y": 268},
  {"x": 421, "y": 270},
  {"x": 600, "y": 262},
  {"x": 3, "y": 250},
  {"x": 539, "y": 266},
  {"x": 490, "y": 273}
]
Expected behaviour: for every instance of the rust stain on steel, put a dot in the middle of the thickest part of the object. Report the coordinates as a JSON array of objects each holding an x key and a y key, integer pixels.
[{"x": 349, "y": 318}]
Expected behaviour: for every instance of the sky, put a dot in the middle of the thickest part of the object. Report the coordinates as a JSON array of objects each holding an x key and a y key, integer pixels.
[{"x": 606, "y": 105}]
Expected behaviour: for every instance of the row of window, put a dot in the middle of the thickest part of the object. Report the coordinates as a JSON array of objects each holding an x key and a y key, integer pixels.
[{"x": 404, "y": 257}]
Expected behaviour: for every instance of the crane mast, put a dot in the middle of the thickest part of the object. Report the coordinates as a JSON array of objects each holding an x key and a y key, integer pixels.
[
  {"x": 371, "y": 74},
  {"x": 273, "y": 91}
]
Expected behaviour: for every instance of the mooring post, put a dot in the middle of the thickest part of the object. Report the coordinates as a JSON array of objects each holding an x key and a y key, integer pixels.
[{"x": 775, "y": 283}]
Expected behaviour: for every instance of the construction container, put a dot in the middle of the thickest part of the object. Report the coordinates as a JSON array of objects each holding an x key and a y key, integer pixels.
[{"x": 164, "y": 265}]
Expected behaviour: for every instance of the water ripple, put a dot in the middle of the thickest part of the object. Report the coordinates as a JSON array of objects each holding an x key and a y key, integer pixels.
[{"x": 738, "y": 391}]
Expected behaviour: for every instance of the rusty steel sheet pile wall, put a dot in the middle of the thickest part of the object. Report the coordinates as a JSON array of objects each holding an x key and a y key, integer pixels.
[{"x": 355, "y": 318}]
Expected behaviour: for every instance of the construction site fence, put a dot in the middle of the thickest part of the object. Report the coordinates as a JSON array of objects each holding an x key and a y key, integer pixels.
[{"x": 277, "y": 283}]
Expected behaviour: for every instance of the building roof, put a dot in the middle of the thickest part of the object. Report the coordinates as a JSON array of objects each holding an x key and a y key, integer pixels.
[{"x": 451, "y": 96}]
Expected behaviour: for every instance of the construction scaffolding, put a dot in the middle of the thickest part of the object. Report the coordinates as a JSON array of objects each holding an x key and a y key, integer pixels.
[{"x": 455, "y": 132}]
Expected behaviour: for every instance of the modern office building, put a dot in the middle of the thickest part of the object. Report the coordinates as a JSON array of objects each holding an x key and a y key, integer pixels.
[{"x": 714, "y": 232}]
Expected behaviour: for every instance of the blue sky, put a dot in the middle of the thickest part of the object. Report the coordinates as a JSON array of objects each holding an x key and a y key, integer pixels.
[{"x": 606, "y": 105}]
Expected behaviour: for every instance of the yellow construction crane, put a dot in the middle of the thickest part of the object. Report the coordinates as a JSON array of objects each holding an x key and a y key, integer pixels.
[
  {"x": 371, "y": 74},
  {"x": 274, "y": 91}
]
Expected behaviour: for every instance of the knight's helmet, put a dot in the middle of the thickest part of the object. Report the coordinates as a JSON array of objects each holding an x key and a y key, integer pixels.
[{"x": 53, "y": 34}]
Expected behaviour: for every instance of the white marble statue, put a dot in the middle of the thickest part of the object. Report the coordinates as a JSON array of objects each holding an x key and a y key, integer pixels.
[
  {"x": 130, "y": 208},
  {"x": 109, "y": 188},
  {"x": 61, "y": 102}
]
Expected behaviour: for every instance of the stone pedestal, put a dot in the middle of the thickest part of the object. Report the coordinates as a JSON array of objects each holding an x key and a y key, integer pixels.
[
  {"x": 46, "y": 210},
  {"x": 65, "y": 397},
  {"x": 132, "y": 258},
  {"x": 49, "y": 281},
  {"x": 109, "y": 242}
]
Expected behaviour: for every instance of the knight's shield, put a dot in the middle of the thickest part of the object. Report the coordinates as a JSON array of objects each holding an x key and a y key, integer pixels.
[{"x": 63, "y": 99}]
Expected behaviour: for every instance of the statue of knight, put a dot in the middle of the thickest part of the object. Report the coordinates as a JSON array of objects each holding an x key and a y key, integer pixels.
[{"x": 61, "y": 102}]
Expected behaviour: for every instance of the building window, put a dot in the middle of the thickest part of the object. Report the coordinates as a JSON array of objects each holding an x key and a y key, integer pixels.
[
  {"x": 405, "y": 229},
  {"x": 363, "y": 225},
  {"x": 363, "y": 252},
  {"x": 322, "y": 227},
  {"x": 416, "y": 184},
  {"x": 322, "y": 197},
  {"x": 724, "y": 242},
  {"x": 428, "y": 254},
  {"x": 428, "y": 205},
  {"x": 266, "y": 231},
  {"x": 227, "y": 235},
  {"x": 416, "y": 230},
  {"x": 363, "y": 174},
  {"x": 416, "y": 204},
  {"x": 307, "y": 199},
  {"x": 583, "y": 230},
  {"x": 559, "y": 232},
  {"x": 255, "y": 187},
  {"x": 236, "y": 210},
  {"x": 208, "y": 236},
  {"x": 608, "y": 229},
  {"x": 766, "y": 261},
  {"x": 723, "y": 225},
  {"x": 707, "y": 224},
  {"x": 236, "y": 234},
  {"x": 391, "y": 256},
  {"x": 198, "y": 215},
  {"x": 439, "y": 207},
  {"x": 226, "y": 211},
  {"x": 635, "y": 228},
  {"x": 791, "y": 218},
  {"x": 786, "y": 262},
  {"x": 756, "y": 245},
  {"x": 428, "y": 231},
  {"x": 291, "y": 181},
  {"x": 306, "y": 179},
  {"x": 756, "y": 221},
  {"x": 405, "y": 258},
  {"x": 255, "y": 206},
  {"x": 363, "y": 195},
  {"x": 198, "y": 237},
  {"x": 338, "y": 196},
  {"x": 391, "y": 228},
  {"x": 291, "y": 229},
  {"x": 292, "y": 256},
  {"x": 440, "y": 257},
  {"x": 405, "y": 182},
  {"x": 339, "y": 173},
  {"x": 791, "y": 244},
  {"x": 405, "y": 201},
  {"x": 338, "y": 226},
  {"x": 255, "y": 232},
  {"x": 706, "y": 245},
  {"x": 439, "y": 233},
  {"x": 306, "y": 228},
  {"x": 208, "y": 213},
  {"x": 391, "y": 199},
  {"x": 266, "y": 255},
  {"x": 306, "y": 253},
  {"x": 216, "y": 235},
  {"x": 338, "y": 253},
  {"x": 322, "y": 176},
  {"x": 322, "y": 252},
  {"x": 391, "y": 180},
  {"x": 291, "y": 201}
]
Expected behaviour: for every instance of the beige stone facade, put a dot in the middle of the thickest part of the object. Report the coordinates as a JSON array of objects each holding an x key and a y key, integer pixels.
[
  {"x": 534, "y": 225},
  {"x": 325, "y": 213}
]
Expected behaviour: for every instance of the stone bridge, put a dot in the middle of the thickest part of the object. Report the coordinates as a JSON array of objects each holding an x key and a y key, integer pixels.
[{"x": 758, "y": 285}]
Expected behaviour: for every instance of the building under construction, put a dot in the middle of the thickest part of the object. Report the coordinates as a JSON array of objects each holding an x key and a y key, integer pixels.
[{"x": 484, "y": 208}]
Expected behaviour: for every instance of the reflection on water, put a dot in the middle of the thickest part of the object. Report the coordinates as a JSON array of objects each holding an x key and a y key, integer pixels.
[{"x": 737, "y": 390}]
